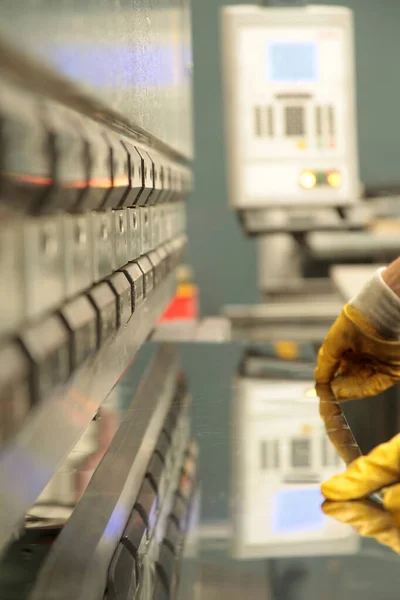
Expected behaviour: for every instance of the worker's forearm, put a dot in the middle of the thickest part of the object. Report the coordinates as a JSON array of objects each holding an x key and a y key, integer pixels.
[{"x": 379, "y": 300}]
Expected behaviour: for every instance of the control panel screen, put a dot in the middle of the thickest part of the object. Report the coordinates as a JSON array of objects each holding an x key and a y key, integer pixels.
[
  {"x": 297, "y": 511},
  {"x": 292, "y": 62}
]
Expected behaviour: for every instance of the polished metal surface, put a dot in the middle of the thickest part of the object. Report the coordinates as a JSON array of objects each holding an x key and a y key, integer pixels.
[
  {"x": 263, "y": 533},
  {"x": 133, "y": 58},
  {"x": 207, "y": 330},
  {"x": 293, "y": 220},
  {"x": 30, "y": 459},
  {"x": 284, "y": 320},
  {"x": 79, "y": 570},
  {"x": 355, "y": 246}
]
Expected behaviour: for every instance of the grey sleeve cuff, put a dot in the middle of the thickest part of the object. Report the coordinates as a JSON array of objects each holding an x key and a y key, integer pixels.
[{"x": 380, "y": 305}]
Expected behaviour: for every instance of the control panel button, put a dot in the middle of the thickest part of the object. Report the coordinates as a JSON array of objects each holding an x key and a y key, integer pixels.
[
  {"x": 136, "y": 179},
  {"x": 81, "y": 319},
  {"x": 119, "y": 161},
  {"x": 121, "y": 287},
  {"x": 148, "y": 274},
  {"x": 121, "y": 581},
  {"x": 105, "y": 304},
  {"x": 136, "y": 279},
  {"x": 15, "y": 388},
  {"x": 47, "y": 344}
]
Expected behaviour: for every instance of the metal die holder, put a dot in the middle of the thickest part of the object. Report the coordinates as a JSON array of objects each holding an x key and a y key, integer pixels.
[
  {"x": 147, "y": 505},
  {"x": 134, "y": 226},
  {"x": 166, "y": 567},
  {"x": 166, "y": 179},
  {"x": 135, "y": 535},
  {"x": 136, "y": 279},
  {"x": 121, "y": 581},
  {"x": 148, "y": 274},
  {"x": 176, "y": 184},
  {"x": 157, "y": 477},
  {"x": 162, "y": 219},
  {"x": 155, "y": 259},
  {"x": 154, "y": 214},
  {"x": 44, "y": 264},
  {"x": 105, "y": 303},
  {"x": 103, "y": 244},
  {"x": 25, "y": 159},
  {"x": 69, "y": 177},
  {"x": 136, "y": 175},
  {"x": 120, "y": 167},
  {"x": 145, "y": 229},
  {"x": 70, "y": 408},
  {"x": 187, "y": 182},
  {"x": 47, "y": 345},
  {"x": 162, "y": 253},
  {"x": 78, "y": 245},
  {"x": 121, "y": 286},
  {"x": 12, "y": 292},
  {"x": 81, "y": 319},
  {"x": 168, "y": 209},
  {"x": 112, "y": 491},
  {"x": 156, "y": 168},
  {"x": 15, "y": 383},
  {"x": 120, "y": 236},
  {"x": 147, "y": 177},
  {"x": 98, "y": 165}
]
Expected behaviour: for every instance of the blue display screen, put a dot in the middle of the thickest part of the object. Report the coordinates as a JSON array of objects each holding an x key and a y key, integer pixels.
[
  {"x": 297, "y": 511},
  {"x": 291, "y": 62}
]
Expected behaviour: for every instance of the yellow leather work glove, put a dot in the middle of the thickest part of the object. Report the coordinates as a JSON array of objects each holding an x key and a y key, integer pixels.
[
  {"x": 375, "y": 471},
  {"x": 367, "y": 520},
  {"x": 354, "y": 360}
]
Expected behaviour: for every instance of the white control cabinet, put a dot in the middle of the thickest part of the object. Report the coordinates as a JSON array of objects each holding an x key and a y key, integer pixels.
[{"x": 289, "y": 87}]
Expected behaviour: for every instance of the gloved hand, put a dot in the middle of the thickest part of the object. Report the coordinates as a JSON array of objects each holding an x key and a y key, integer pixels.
[
  {"x": 367, "y": 520},
  {"x": 355, "y": 360},
  {"x": 367, "y": 474}
]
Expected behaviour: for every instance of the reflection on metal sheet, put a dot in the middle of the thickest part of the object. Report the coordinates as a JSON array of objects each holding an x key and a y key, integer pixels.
[{"x": 281, "y": 455}]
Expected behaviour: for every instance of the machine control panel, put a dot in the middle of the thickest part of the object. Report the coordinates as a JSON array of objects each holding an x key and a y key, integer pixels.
[{"x": 290, "y": 106}]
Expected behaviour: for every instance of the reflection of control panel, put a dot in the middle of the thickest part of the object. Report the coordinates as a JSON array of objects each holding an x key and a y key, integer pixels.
[
  {"x": 290, "y": 105},
  {"x": 282, "y": 455}
]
